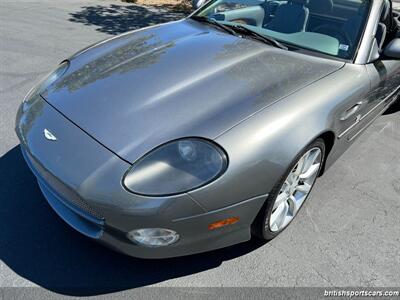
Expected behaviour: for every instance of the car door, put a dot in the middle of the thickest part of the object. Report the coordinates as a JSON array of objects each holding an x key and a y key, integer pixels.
[
  {"x": 384, "y": 75},
  {"x": 385, "y": 78}
]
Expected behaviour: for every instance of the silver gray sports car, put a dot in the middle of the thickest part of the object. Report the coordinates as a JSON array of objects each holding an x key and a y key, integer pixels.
[{"x": 198, "y": 134}]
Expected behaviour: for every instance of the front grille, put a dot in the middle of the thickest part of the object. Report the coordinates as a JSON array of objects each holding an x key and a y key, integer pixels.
[
  {"x": 76, "y": 218},
  {"x": 65, "y": 193}
]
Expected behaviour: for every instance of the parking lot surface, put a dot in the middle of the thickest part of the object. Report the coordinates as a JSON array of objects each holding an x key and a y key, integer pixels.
[{"x": 346, "y": 235}]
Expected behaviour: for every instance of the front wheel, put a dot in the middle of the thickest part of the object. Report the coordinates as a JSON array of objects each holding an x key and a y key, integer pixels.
[{"x": 290, "y": 192}]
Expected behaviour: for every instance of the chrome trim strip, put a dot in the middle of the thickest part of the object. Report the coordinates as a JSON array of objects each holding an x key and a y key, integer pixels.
[
  {"x": 384, "y": 101},
  {"x": 369, "y": 123}
]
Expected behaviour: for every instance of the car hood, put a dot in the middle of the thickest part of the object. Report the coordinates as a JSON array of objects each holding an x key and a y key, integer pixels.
[{"x": 144, "y": 88}]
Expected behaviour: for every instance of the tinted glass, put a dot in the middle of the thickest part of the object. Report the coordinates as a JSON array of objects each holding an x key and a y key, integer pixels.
[{"x": 332, "y": 27}]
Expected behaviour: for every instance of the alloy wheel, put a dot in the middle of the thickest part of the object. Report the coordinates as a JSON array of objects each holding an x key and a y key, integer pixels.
[{"x": 295, "y": 189}]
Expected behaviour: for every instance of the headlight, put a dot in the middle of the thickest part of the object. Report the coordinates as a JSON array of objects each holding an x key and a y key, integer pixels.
[
  {"x": 176, "y": 167},
  {"x": 47, "y": 80}
]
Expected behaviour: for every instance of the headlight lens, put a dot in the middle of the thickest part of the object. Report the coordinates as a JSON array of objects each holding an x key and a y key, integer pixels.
[
  {"x": 176, "y": 167},
  {"x": 47, "y": 80},
  {"x": 153, "y": 237}
]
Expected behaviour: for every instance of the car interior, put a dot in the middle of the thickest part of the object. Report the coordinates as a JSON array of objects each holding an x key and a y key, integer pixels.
[{"x": 329, "y": 26}]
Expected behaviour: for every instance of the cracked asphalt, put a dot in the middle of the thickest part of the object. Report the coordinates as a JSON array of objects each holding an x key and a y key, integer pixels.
[{"x": 348, "y": 233}]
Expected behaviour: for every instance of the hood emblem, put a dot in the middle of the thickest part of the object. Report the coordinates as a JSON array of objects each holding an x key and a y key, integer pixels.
[{"x": 48, "y": 135}]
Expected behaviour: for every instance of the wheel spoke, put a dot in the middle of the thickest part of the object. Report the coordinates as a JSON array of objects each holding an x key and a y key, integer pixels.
[
  {"x": 310, "y": 171},
  {"x": 294, "y": 205},
  {"x": 311, "y": 158},
  {"x": 290, "y": 179},
  {"x": 279, "y": 215},
  {"x": 282, "y": 197},
  {"x": 300, "y": 165},
  {"x": 304, "y": 188},
  {"x": 285, "y": 187}
]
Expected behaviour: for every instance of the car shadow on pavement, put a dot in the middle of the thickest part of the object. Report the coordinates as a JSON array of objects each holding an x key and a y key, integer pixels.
[
  {"x": 37, "y": 245},
  {"x": 393, "y": 108},
  {"x": 116, "y": 19}
]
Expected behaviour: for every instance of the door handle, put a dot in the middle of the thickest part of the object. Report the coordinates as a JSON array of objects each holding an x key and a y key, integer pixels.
[{"x": 351, "y": 111}]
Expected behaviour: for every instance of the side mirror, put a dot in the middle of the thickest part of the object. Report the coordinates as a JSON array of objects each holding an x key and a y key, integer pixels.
[
  {"x": 392, "y": 50},
  {"x": 198, "y": 3}
]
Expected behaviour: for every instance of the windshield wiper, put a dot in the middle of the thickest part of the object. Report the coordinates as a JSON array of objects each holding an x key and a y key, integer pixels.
[
  {"x": 263, "y": 38},
  {"x": 239, "y": 30},
  {"x": 210, "y": 21}
]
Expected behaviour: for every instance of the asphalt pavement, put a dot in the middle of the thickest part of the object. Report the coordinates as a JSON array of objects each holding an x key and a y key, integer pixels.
[{"x": 348, "y": 233}]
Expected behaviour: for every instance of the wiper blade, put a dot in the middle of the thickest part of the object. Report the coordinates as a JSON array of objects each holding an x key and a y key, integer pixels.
[
  {"x": 258, "y": 36},
  {"x": 233, "y": 29},
  {"x": 210, "y": 21}
]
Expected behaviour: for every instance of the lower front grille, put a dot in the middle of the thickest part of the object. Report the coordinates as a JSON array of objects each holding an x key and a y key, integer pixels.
[
  {"x": 81, "y": 217},
  {"x": 80, "y": 221},
  {"x": 53, "y": 183}
]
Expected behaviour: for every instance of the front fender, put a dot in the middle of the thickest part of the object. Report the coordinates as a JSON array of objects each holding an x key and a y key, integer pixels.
[{"x": 262, "y": 148}]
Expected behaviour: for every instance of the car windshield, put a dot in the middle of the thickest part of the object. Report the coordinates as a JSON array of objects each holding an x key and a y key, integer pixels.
[{"x": 332, "y": 27}]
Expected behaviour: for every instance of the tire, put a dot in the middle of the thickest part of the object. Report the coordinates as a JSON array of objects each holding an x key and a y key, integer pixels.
[{"x": 262, "y": 227}]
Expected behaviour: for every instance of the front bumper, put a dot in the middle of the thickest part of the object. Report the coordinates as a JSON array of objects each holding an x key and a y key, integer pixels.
[{"x": 81, "y": 180}]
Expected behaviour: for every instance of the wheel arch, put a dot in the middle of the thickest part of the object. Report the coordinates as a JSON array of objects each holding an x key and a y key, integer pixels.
[{"x": 329, "y": 138}]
